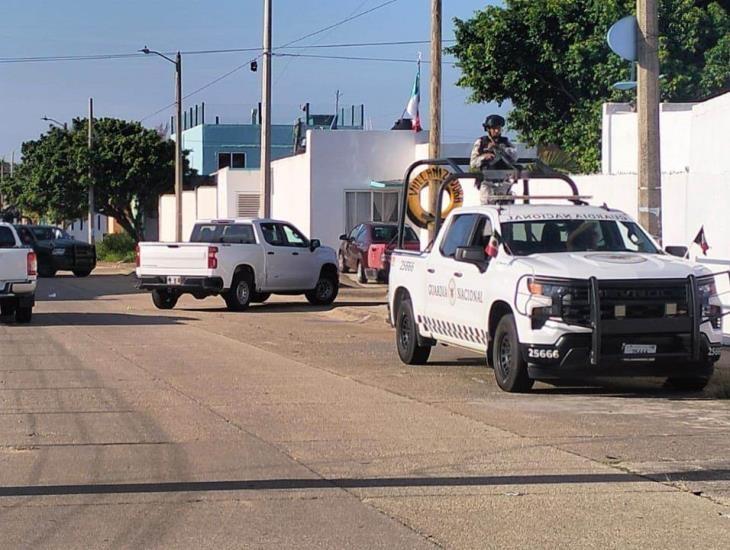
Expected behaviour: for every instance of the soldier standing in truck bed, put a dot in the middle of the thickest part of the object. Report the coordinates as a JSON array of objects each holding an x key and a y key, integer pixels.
[{"x": 492, "y": 151}]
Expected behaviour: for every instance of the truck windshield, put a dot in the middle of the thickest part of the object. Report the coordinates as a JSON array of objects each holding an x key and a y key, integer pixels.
[
  {"x": 553, "y": 236},
  {"x": 223, "y": 233},
  {"x": 49, "y": 233}
]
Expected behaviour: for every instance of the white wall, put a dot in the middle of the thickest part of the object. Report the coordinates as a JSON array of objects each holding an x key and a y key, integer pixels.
[
  {"x": 710, "y": 146},
  {"x": 167, "y": 216},
  {"x": 232, "y": 182},
  {"x": 291, "y": 197},
  {"x": 206, "y": 202},
  {"x": 346, "y": 160},
  {"x": 620, "y": 137},
  {"x": 79, "y": 230}
]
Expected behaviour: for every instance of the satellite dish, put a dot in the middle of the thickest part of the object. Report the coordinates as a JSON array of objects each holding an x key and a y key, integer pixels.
[
  {"x": 621, "y": 37},
  {"x": 625, "y": 85}
]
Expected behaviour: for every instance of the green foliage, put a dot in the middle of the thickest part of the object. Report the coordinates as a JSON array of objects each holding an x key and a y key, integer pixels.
[
  {"x": 130, "y": 166},
  {"x": 551, "y": 60},
  {"x": 116, "y": 247}
]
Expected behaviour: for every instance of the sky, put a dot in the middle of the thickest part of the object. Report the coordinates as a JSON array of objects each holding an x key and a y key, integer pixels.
[{"x": 136, "y": 87}]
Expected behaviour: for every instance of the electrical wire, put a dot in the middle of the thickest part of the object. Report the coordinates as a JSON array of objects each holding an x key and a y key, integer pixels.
[{"x": 356, "y": 58}]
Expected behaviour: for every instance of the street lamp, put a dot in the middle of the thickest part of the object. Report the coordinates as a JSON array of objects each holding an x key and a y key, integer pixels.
[
  {"x": 178, "y": 138},
  {"x": 59, "y": 124}
]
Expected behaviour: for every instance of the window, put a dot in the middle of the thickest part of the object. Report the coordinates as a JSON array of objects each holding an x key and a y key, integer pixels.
[
  {"x": 273, "y": 234},
  {"x": 231, "y": 160},
  {"x": 459, "y": 234},
  {"x": 7, "y": 239},
  {"x": 26, "y": 237},
  {"x": 223, "y": 233},
  {"x": 370, "y": 206},
  {"x": 294, "y": 237},
  {"x": 483, "y": 232}
]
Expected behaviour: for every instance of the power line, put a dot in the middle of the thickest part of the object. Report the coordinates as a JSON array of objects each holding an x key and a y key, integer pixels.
[
  {"x": 226, "y": 75},
  {"x": 354, "y": 58}
]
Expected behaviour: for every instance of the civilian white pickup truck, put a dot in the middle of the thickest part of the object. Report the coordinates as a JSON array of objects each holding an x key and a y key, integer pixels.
[
  {"x": 18, "y": 274},
  {"x": 242, "y": 260},
  {"x": 557, "y": 291}
]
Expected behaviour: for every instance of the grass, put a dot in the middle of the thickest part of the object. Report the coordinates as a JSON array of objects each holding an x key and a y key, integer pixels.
[{"x": 117, "y": 247}]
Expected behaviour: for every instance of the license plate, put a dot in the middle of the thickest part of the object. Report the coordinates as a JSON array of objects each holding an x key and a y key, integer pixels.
[
  {"x": 639, "y": 349},
  {"x": 59, "y": 251},
  {"x": 174, "y": 280}
]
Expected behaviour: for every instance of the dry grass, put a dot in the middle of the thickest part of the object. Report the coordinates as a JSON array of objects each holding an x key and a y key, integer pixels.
[{"x": 719, "y": 386}]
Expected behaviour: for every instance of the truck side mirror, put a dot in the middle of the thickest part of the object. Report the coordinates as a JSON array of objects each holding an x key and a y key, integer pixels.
[
  {"x": 314, "y": 244},
  {"x": 472, "y": 255},
  {"x": 679, "y": 251},
  {"x": 343, "y": 237}
]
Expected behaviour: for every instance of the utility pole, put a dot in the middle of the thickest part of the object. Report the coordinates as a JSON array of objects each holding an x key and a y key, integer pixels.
[
  {"x": 90, "y": 219},
  {"x": 178, "y": 149},
  {"x": 434, "y": 135},
  {"x": 333, "y": 126},
  {"x": 650, "y": 177},
  {"x": 265, "y": 187}
]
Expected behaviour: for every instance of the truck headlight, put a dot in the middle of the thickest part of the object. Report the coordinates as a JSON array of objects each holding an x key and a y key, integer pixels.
[
  {"x": 710, "y": 307},
  {"x": 564, "y": 300}
]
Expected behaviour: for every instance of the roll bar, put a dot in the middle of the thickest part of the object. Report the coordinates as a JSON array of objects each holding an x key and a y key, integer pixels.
[{"x": 523, "y": 169}]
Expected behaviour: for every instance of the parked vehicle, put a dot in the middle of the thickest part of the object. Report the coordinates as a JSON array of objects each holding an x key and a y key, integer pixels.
[
  {"x": 367, "y": 249},
  {"x": 57, "y": 250},
  {"x": 242, "y": 260},
  {"x": 18, "y": 273},
  {"x": 549, "y": 291}
]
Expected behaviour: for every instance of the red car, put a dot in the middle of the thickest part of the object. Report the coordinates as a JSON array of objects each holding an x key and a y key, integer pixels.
[{"x": 367, "y": 248}]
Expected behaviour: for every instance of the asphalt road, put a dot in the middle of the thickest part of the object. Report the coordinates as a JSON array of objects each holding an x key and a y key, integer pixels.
[{"x": 289, "y": 426}]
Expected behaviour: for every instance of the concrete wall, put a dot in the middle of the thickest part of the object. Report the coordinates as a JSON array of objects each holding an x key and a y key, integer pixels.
[
  {"x": 620, "y": 137},
  {"x": 230, "y": 184},
  {"x": 167, "y": 216},
  {"x": 206, "y": 202},
  {"x": 80, "y": 231},
  {"x": 291, "y": 197}
]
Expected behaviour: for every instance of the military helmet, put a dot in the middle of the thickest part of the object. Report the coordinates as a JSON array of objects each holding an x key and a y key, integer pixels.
[{"x": 493, "y": 121}]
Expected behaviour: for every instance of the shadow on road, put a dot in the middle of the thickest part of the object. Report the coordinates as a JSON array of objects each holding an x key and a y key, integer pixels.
[
  {"x": 104, "y": 319},
  {"x": 281, "y": 307},
  {"x": 63, "y": 288},
  {"x": 361, "y": 483}
]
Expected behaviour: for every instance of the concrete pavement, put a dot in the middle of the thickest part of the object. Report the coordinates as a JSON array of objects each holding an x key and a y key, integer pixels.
[{"x": 292, "y": 426}]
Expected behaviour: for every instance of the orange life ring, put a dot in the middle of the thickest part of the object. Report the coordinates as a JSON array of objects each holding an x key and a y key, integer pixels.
[{"x": 420, "y": 216}]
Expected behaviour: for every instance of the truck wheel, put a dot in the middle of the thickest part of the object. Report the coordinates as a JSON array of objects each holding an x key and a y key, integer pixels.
[
  {"x": 325, "y": 292},
  {"x": 361, "y": 276},
  {"x": 164, "y": 299},
  {"x": 688, "y": 383},
  {"x": 23, "y": 314},
  {"x": 82, "y": 272},
  {"x": 7, "y": 309},
  {"x": 260, "y": 297},
  {"x": 341, "y": 264},
  {"x": 239, "y": 296},
  {"x": 406, "y": 336},
  {"x": 510, "y": 369}
]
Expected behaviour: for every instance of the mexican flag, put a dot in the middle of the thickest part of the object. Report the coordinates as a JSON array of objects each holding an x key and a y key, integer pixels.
[{"x": 413, "y": 103}]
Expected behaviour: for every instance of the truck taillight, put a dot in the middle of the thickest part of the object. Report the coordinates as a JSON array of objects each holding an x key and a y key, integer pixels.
[
  {"x": 136, "y": 255},
  {"x": 32, "y": 264},
  {"x": 212, "y": 260}
]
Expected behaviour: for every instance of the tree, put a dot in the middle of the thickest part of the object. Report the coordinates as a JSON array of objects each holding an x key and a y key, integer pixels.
[
  {"x": 130, "y": 165},
  {"x": 550, "y": 59}
]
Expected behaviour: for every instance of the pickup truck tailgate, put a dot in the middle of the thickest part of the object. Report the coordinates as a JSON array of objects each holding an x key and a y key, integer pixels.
[
  {"x": 173, "y": 259},
  {"x": 13, "y": 264}
]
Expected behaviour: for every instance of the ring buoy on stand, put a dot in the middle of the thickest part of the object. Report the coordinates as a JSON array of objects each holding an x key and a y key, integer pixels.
[{"x": 420, "y": 216}]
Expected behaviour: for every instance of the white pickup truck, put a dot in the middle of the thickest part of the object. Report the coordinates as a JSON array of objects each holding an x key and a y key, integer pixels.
[
  {"x": 242, "y": 260},
  {"x": 557, "y": 291},
  {"x": 18, "y": 274}
]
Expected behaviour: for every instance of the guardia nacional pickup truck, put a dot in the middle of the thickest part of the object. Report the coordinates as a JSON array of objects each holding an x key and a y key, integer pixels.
[{"x": 556, "y": 291}]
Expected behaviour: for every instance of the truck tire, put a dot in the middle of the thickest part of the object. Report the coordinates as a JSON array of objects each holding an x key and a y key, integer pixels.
[
  {"x": 7, "y": 309},
  {"x": 688, "y": 383},
  {"x": 361, "y": 275},
  {"x": 82, "y": 272},
  {"x": 238, "y": 298},
  {"x": 406, "y": 336},
  {"x": 325, "y": 292},
  {"x": 23, "y": 314},
  {"x": 164, "y": 299},
  {"x": 510, "y": 369},
  {"x": 46, "y": 272}
]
